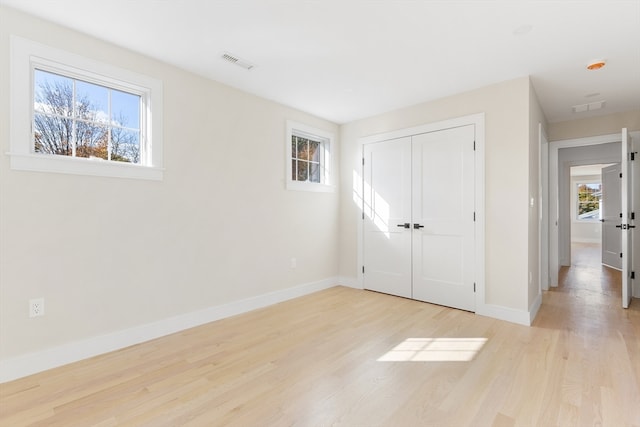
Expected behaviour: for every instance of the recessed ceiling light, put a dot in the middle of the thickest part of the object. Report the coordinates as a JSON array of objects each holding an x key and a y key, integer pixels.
[{"x": 596, "y": 65}]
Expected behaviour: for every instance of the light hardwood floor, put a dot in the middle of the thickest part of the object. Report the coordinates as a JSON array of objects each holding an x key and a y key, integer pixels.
[{"x": 315, "y": 361}]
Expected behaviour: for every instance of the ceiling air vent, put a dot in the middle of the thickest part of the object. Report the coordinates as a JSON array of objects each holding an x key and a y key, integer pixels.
[
  {"x": 239, "y": 62},
  {"x": 588, "y": 107}
]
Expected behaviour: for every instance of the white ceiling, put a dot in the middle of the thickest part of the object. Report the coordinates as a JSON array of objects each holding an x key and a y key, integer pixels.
[{"x": 348, "y": 59}]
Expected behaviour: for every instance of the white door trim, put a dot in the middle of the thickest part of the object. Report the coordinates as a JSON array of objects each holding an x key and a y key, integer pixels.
[
  {"x": 543, "y": 202},
  {"x": 475, "y": 119},
  {"x": 627, "y": 208}
]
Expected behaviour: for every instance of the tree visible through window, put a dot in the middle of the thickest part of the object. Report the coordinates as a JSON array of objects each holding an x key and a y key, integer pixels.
[
  {"x": 589, "y": 198},
  {"x": 81, "y": 119},
  {"x": 307, "y": 158}
]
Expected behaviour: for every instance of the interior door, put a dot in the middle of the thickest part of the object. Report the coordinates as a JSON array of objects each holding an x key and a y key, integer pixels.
[
  {"x": 625, "y": 225},
  {"x": 387, "y": 217},
  {"x": 611, "y": 209},
  {"x": 443, "y": 217}
]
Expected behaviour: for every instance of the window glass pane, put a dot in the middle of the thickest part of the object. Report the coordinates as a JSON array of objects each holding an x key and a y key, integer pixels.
[
  {"x": 294, "y": 172},
  {"x": 92, "y": 102},
  {"x": 53, "y": 94},
  {"x": 125, "y": 145},
  {"x": 52, "y": 135},
  {"x": 302, "y": 170},
  {"x": 303, "y": 148},
  {"x": 589, "y": 196},
  {"x": 314, "y": 172},
  {"x": 125, "y": 109},
  {"x": 314, "y": 151},
  {"x": 91, "y": 140}
]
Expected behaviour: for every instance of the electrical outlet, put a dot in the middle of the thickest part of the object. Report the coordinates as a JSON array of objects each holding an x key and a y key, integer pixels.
[{"x": 36, "y": 307}]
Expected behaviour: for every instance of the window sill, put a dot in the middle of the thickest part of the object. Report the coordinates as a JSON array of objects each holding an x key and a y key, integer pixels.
[
  {"x": 81, "y": 166},
  {"x": 310, "y": 186}
]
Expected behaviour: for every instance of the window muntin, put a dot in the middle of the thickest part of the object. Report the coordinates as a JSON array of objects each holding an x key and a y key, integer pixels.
[
  {"x": 308, "y": 158},
  {"x": 77, "y": 118},
  {"x": 589, "y": 197}
]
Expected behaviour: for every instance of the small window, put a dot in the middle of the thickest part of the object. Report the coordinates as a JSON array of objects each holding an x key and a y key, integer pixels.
[
  {"x": 75, "y": 115},
  {"x": 308, "y": 158},
  {"x": 589, "y": 197}
]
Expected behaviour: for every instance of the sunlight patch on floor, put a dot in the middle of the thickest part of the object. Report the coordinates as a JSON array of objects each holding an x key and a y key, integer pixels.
[{"x": 435, "y": 350}]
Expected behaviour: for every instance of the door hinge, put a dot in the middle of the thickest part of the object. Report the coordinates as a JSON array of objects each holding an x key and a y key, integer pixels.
[
  {"x": 474, "y": 217},
  {"x": 633, "y": 215},
  {"x": 632, "y": 155},
  {"x": 362, "y": 215},
  {"x": 474, "y": 286},
  {"x": 363, "y": 161},
  {"x": 632, "y": 275},
  {"x": 620, "y": 173},
  {"x": 363, "y": 269},
  {"x": 620, "y": 254},
  {"x": 474, "y": 146}
]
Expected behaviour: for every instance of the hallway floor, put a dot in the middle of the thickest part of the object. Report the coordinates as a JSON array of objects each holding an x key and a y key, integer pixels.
[{"x": 587, "y": 272}]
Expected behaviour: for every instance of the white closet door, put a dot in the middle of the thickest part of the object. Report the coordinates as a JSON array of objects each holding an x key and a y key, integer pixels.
[
  {"x": 387, "y": 208},
  {"x": 443, "y": 217}
]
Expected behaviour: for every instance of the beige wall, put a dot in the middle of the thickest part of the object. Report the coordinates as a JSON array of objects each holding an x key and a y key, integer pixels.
[
  {"x": 595, "y": 126},
  {"x": 110, "y": 254},
  {"x": 506, "y": 107}
]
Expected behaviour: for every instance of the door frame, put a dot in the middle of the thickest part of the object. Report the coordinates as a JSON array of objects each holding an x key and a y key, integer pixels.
[
  {"x": 543, "y": 194},
  {"x": 478, "y": 120},
  {"x": 552, "y": 251}
]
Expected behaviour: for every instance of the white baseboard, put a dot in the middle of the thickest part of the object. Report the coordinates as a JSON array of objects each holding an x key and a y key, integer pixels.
[
  {"x": 350, "y": 282},
  {"x": 586, "y": 240},
  {"x": 512, "y": 315},
  {"x": 533, "y": 310},
  {"x": 21, "y": 366}
]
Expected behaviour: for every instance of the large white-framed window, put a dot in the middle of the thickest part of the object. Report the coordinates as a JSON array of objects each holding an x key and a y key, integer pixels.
[
  {"x": 71, "y": 114},
  {"x": 308, "y": 158}
]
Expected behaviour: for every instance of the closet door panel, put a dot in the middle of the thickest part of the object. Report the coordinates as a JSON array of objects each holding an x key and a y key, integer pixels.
[
  {"x": 443, "y": 217},
  {"x": 387, "y": 208}
]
